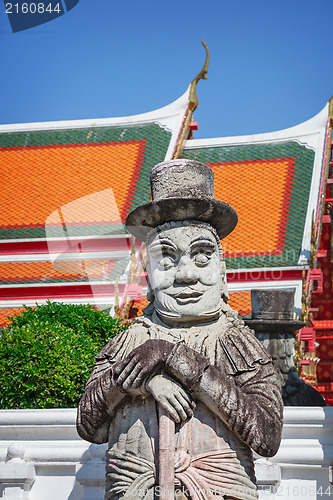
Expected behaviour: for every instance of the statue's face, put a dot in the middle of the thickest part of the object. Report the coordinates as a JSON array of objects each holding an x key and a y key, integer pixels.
[{"x": 184, "y": 270}]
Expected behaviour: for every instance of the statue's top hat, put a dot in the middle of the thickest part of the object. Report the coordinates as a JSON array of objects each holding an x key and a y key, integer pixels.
[
  {"x": 273, "y": 310},
  {"x": 182, "y": 190}
]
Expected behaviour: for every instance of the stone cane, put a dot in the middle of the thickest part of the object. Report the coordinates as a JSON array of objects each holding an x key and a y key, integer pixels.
[{"x": 166, "y": 464}]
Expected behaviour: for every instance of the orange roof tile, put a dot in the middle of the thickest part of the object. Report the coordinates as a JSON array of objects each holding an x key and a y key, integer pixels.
[
  {"x": 137, "y": 307},
  {"x": 241, "y": 302},
  {"x": 55, "y": 176},
  {"x": 259, "y": 202},
  {"x": 71, "y": 179},
  {"x": 4, "y": 313},
  {"x": 46, "y": 272},
  {"x": 268, "y": 184}
]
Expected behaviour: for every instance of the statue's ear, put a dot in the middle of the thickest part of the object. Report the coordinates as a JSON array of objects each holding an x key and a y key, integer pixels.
[
  {"x": 224, "y": 286},
  {"x": 149, "y": 309}
]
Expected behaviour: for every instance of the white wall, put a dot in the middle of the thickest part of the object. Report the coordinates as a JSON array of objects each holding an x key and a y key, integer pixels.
[{"x": 43, "y": 458}]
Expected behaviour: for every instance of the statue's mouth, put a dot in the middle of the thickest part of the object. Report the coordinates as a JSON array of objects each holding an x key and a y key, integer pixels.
[{"x": 188, "y": 296}]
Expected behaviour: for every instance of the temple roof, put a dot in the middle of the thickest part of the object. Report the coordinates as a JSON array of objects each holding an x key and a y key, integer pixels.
[
  {"x": 66, "y": 190},
  {"x": 64, "y": 179},
  {"x": 67, "y": 185},
  {"x": 62, "y": 271},
  {"x": 272, "y": 181}
]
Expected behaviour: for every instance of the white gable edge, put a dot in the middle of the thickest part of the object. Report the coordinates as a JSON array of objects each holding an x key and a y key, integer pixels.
[
  {"x": 161, "y": 115},
  {"x": 169, "y": 117},
  {"x": 311, "y": 134},
  {"x": 302, "y": 132}
]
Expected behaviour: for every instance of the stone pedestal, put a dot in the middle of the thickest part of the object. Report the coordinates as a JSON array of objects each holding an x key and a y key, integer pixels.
[
  {"x": 91, "y": 475},
  {"x": 268, "y": 477},
  {"x": 16, "y": 475}
]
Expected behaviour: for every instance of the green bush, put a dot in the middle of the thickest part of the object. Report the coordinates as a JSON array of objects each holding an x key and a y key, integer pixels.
[
  {"x": 47, "y": 354},
  {"x": 80, "y": 318}
]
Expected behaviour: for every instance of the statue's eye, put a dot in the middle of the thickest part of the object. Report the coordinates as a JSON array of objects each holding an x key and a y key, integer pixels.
[{"x": 166, "y": 262}]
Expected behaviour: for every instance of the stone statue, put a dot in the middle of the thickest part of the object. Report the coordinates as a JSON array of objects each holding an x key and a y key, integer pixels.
[
  {"x": 274, "y": 325},
  {"x": 183, "y": 395}
]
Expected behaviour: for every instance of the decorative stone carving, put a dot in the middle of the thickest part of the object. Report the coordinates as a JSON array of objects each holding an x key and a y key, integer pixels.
[
  {"x": 268, "y": 477},
  {"x": 16, "y": 475},
  {"x": 183, "y": 395},
  {"x": 273, "y": 322},
  {"x": 91, "y": 474}
]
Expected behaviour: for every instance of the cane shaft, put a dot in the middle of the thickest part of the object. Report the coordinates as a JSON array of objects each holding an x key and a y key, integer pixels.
[{"x": 166, "y": 466}]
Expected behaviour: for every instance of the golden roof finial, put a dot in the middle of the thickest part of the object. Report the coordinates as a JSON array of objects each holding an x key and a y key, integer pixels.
[
  {"x": 202, "y": 75},
  {"x": 330, "y": 110},
  {"x": 193, "y": 103},
  {"x": 313, "y": 242}
]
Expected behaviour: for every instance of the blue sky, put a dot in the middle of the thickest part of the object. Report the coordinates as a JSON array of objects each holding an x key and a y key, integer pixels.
[{"x": 271, "y": 62}]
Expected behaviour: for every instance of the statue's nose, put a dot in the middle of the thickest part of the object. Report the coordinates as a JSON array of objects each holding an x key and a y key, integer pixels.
[{"x": 186, "y": 272}]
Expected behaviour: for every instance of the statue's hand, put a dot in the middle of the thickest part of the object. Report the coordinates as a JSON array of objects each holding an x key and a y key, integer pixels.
[
  {"x": 171, "y": 396},
  {"x": 140, "y": 363}
]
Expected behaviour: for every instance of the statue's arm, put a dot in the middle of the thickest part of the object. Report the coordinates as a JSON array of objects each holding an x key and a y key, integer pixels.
[
  {"x": 99, "y": 400},
  {"x": 249, "y": 403}
]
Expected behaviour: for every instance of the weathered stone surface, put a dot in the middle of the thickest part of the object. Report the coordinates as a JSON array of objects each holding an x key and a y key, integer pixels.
[
  {"x": 182, "y": 190},
  {"x": 190, "y": 179},
  {"x": 273, "y": 308},
  {"x": 187, "y": 384},
  {"x": 272, "y": 320}
]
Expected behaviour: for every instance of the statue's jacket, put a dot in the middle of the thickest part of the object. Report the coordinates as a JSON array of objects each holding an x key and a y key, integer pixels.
[{"x": 238, "y": 407}]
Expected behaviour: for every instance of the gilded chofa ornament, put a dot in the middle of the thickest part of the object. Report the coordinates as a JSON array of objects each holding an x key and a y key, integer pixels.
[
  {"x": 183, "y": 395},
  {"x": 202, "y": 75},
  {"x": 330, "y": 111},
  {"x": 193, "y": 103}
]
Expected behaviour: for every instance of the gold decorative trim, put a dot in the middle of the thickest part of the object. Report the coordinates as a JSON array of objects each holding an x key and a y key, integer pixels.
[
  {"x": 202, "y": 75},
  {"x": 192, "y": 105},
  {"x": 313, "y": 249},
  {"x": 330, "y": 111}
]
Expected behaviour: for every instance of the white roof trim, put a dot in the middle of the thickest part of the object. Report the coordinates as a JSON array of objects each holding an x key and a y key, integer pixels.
[
  {"x": 57, "y": 284},
  {"x": 69, "y": 238},
  {"x": 11, "y": 304},
  {"x": 169, "y": 117},
  {"x": 162, "y": 115},
  {"x": 249, "y": 270},
  {"x": 303, "y": 133},
  {"x": 311, "y": 134},
  {"x": 67, "y": 257},
  {"x": 314, "y": 194}
]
